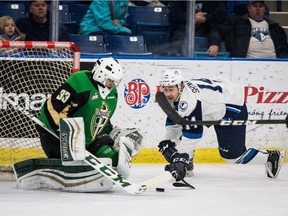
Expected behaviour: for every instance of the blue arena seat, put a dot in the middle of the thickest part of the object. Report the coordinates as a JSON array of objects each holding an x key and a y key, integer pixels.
[
  {"x": 89, "y": 45},
  {"x": 15, "y": 10},
  {"x": 78, "y": 11},
  {"x": 64, "y": 13},
  {"x": 126, "y": 45},
  {"x": 147, "y": 16},
  {"x": 65, "y": 20},
  {"x": 153, "y": 24},
  {"x": 201, "y": 46}
]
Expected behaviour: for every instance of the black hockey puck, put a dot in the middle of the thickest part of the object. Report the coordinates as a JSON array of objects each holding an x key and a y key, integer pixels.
[{"x": 160, "y": 189}]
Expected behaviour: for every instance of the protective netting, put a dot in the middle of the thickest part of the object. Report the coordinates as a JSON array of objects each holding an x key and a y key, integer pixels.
[{"x": 27, "y": 76}]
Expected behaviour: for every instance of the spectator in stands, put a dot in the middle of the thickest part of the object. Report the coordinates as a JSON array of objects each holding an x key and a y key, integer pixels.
[
  {"x": 105, "y": 17},
  {"x": 255, "y": 36},
  {"x": 208, "y": 15},
  {"x": 37, "y": 26},
  {"x": 9, "y": 31}
]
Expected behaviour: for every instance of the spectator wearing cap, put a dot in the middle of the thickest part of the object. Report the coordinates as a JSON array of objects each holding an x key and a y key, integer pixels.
[{"x": 255, "y": 36}]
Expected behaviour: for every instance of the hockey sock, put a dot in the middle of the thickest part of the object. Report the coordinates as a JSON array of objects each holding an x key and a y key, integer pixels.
[{"x": 250, "y": 156}]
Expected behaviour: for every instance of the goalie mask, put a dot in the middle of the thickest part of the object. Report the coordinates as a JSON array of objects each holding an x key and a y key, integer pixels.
[
  {"x": 107, "y": 68},
  {"x": 108, "y": 73},
  {"x": 171, "y": 77}
]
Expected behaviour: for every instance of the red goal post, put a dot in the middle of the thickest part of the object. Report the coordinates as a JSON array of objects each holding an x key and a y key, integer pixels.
[
  {"x": 29, "y": 72},
  {"x": 46, "y": 45}
]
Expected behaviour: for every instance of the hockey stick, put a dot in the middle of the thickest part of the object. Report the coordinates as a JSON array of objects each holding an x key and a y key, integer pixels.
[
  {"x": 177, "y": 119},
  {"x": 184, "y": 184},
  {"x": 98, "y": 165}
]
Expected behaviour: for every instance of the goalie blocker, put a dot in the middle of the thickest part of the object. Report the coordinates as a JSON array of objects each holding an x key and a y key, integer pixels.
[{"x": 71, "y": 172}]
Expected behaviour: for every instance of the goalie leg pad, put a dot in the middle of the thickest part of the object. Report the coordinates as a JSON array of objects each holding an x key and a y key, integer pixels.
[
  {"x": 125, "y": 153},
  {"x": 72, "y": 176},
  {"x": 72, "y": 139}
]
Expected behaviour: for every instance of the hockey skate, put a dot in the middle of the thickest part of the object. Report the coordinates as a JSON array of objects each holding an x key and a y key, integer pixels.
[{"x": 274, "y": 163}]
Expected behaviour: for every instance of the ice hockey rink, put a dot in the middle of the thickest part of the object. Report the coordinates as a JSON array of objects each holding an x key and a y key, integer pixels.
[{"x": 221, "y": 189}]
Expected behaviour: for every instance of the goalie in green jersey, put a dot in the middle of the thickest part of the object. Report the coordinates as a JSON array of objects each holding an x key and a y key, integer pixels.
[{"x": 91, "y": 95}]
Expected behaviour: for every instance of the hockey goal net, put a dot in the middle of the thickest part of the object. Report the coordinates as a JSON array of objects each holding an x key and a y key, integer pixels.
[{"x": 29, "y": 73}]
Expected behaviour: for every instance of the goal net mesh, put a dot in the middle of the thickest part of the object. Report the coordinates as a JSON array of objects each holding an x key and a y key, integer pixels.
[{"x": 28, "y": 76}]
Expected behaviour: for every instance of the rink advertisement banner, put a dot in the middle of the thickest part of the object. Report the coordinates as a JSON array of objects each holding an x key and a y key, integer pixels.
[{"x": 266, "y": 94}]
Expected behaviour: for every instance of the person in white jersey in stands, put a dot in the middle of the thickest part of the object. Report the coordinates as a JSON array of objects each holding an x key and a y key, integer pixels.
[{"x": 255, "y": 36}]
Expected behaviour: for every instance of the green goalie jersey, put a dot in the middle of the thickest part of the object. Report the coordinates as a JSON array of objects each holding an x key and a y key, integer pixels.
[{"x": 79, "y": 97}]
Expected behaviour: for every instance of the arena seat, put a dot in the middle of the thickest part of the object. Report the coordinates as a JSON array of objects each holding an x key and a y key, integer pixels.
[
  {"x": 201, "y": 46},
  {"x": 15, "y": 10},
  {"x": 147, "y": 16},
  {"x": 126, "y": 45},
  {"x": 64, "y": 13},
  {"x": 78, "y": 11},
  {"x": 153, "y": 24},
  {"x": 89, "y": 45}
]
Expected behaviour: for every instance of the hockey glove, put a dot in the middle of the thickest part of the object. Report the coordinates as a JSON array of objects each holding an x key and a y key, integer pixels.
[
  {"x": 167, "y": 148},
  {"x": 178, "y": 167},
  {"x": 101, "y": 140},
  {"x": 132, "y": 133},
  {"x": 102, "y": 147}
]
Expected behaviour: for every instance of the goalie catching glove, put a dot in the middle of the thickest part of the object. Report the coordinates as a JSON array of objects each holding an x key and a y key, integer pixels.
[
  {"x": 178, "y": 162},
  {"x": 127, "y": 142},
  {"x": 131, "y": 134}
]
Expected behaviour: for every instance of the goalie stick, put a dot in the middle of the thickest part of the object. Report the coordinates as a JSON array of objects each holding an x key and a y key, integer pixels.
[
  {"x": 177, "y": 119},
  {"x": 98, "y": 165}
]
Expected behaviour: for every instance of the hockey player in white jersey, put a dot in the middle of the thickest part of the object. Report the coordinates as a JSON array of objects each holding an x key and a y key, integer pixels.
[{"x": 204, "y": 100}]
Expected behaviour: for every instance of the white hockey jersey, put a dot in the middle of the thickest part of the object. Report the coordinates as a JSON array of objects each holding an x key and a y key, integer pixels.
[
  {"x": 202, "y": 100},
  {"x": 213, "y": 94}
]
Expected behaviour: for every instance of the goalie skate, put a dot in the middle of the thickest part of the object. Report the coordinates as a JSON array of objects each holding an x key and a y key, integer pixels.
[{"x": 274, "y": 163}]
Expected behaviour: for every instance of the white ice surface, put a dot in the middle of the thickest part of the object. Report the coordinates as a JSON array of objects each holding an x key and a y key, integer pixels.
[{"x": 226, "y": 190}]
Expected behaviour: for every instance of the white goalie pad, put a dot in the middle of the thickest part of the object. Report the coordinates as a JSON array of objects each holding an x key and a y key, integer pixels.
[
  {"x": 72, "y": 139},
  {"x": 53, "y": 174},
  {"x": 132, "y": 134},
  {"x": 125, "y": 152}
]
